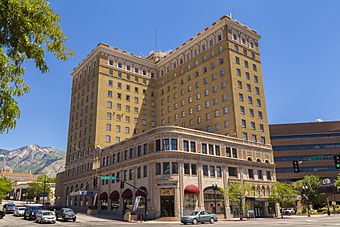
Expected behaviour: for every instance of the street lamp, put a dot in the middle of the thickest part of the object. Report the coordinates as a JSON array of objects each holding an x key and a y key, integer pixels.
[
  {"x": 305, "y": 191},
  {"x": 215, "y": 188}
]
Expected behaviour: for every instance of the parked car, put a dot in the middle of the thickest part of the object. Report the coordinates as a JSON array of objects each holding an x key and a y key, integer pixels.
[
  {"x": 31, "y": 212},
  {"x": 199, "y": 217},
  {"x": 19, "y": 211},
  {"x": 289, "y": 211},
  {"x": 45, "y": 216},
  {"x": 9, "y": 208},
  {"x": 2, "y": 214},
  {"x": 65, "y": 214}
]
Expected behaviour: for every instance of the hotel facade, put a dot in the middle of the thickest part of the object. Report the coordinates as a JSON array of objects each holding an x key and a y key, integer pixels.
[{"x": 173, "y": 124}]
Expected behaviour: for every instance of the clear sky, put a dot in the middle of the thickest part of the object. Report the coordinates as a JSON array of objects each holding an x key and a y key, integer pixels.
[{"x": 300, "y": 53}]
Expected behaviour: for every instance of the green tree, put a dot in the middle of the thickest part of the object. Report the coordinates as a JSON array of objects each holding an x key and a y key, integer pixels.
[
  {"x": 5, "y": 187},
  {"x": 337, "y": 182},
  {"x": 309, "y": 189},
  {"x": 27, "y": 29},
  {"x": 283, "y": 193},
  {"x": 237, "y": 192},
  {"x": 36, "y": 187}
]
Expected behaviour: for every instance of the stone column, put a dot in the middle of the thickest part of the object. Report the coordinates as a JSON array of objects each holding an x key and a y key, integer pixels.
[
  {"x": 200, "y": 186},
  {"x": 227, "y": 211},
  {"x": 181, "y": 188}
]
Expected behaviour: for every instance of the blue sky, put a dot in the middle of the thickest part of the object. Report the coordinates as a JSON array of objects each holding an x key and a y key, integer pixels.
[{"x": 300, "y": 48}]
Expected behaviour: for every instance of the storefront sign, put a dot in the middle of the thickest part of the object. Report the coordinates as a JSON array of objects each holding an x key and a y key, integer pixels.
[
  {"x": 167, "y": 184},
  {"x": 167, "y": 191}
]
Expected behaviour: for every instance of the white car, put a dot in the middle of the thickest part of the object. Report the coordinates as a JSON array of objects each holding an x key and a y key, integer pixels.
[
  {"x": 19, "y": 211},
  {"x": 45, "y": 216}
]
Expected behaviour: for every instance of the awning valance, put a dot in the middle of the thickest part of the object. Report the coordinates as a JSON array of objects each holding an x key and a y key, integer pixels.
[
  {"x": 114, "y": 195},
  {"x": 191, "y": 189},
  {"x": 103, "y": 196},
  {"x": 127, "y": 194}
]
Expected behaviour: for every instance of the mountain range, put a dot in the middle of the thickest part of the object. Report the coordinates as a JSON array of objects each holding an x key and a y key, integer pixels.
[{"x": 35, "y": 159}]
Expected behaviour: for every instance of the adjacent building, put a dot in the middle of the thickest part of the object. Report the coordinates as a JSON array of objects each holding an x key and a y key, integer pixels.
[
  {"x": 313, "y": 144},
  {"x": 8, "y": 172},
  {"x": 173, "y": 123}
]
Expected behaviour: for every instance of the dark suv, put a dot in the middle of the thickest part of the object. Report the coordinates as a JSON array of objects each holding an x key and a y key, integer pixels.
[
  {"x": 9, "y": 208},
  {"x": 65, "y": 214},
  {"x": 31, "y": 212}
]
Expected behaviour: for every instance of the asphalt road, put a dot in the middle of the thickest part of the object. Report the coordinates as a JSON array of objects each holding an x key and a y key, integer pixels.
[{"x": 84, "y": 220}]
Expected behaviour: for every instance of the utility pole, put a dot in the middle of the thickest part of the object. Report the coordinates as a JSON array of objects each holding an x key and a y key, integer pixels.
[{"x": 44, "y": 190}]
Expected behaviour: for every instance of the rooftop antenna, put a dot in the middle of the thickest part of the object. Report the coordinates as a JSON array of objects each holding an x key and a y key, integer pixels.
[
  {"x": 230, "y": 15},
  {"x": 156, "y": 44}
]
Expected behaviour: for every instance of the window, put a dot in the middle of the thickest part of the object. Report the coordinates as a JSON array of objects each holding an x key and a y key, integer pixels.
[
  {"x": 261, "y": 128},
  {"x": 204, "y": 148},
  {"x": 174, "y": 144},
  {"x": 234, "y": 37},
  {"x": 192, "y": 146},
  {"x": 245, "y": 136},
  {"x": 248, "y": 87},
  {"x": 232, "y": 171},
  {"x": 219, "y": 171},
  {"x": 254, "y": 68},
  {"x": 158, "y": 168},
  {"x": 117, "y": 128},
  {"x": 217, "y": 150},
  {"x": 251, "y": 173},
  {"x": 108, "y": 127},
  {"x": 239, "y": 84},
  {"x": 254, "y": 138},
  {"x": 260, "y": 115},
  {"x": 256, "y": 79},
  {"x": 247, "y": 76},
  {"x": 263, "y": 140},
  {"x": 186, "y": 168},
  {"x": 228, "y": 152},
  {"x": 216, "y": 114},
  {"x": 166, "y": 167},
  {"x": 109, "y": 105},
  {"x": 251, "y": 112},
  {"x": 259, "y": 174},
  {"x": 174, "y": 167},
  {"x": 139, "y": 172},
  {"x": 238, "y": 72},
  {"x": 185, "y": 145},
  {"x": 234, "y": 152},
  {"x": 269, "y": 177},
  {"x": 211, "y": 149},
  {"x": 242, "y": 111},
  {"x": 108, "y": 139},
  {"x": 158, "y": 145},
  {"x": 225, "y": 110},
  {"x": 166, "y": 144},
  {"x": 205, "y": 171},
  {"x": 110, "y": 83},
  {"x": 145, "y": 171},
  {"x": 108, "y": 116},
  {"x": 235, "y": 47},
  {"x": 212, "y": 171},
  {"x": 237, "y": 60},
  {"x": 246, "y": 64},
  {"x": 250, "y": 100},
  {"x": 257, "y": 90},
  {"x": 258, "y": 102},
  {"x": 111, "y": 72},
  {"x": 253, "y": 125},
  {"x": 109, "y": 94},
  {"x": 240, "y": 95},
  {"x": 193, "y": 169},
  {"x": 244, "y": 124}
]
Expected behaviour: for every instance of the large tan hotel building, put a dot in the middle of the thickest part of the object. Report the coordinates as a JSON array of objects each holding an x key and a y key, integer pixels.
[{"x": 172, "y": 124}]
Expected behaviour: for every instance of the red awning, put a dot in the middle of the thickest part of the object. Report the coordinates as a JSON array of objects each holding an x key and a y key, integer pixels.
[
  {"x": 140, "y": 193},
  {"x": 103, "y": 196},
  {"x": 191, "y": 189},
  {"x": 114, "y": 195},
  {"x": 127, "y": 194}
]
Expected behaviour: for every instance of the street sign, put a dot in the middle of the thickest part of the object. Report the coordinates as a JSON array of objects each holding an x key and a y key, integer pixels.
[
  {"x": 85, "y": 193},
  {"x": 108, "y": 177},
  {"x": 43, "y": 195}
]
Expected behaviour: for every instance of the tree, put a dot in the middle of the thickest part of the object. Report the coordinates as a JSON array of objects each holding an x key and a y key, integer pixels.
[
  {"x": 237, "y": 192},
  {"x": 309, "y": 189},
  {"x": 283, "y": 193},
  {"x": 337, "y": 182},
  {"x": 36, "y": 188},
  {"x": 5, "y": 187},
  {"x": 27, "y": 29}
]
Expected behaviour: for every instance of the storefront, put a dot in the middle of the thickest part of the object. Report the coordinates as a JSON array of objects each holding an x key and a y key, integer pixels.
[{"x": 167, "y": 202}]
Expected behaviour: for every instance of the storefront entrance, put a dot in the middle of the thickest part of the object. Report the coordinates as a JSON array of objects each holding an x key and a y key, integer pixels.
[
  {"x": 258, "y": 210},
  {"x": 167, "y": 206}
]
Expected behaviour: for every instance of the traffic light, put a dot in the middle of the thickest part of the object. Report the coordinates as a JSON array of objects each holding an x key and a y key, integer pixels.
[
  {"x": 122, "y": 184},
  {"x": 296, "y": 166},
  {"x": 337, "y": 161}
]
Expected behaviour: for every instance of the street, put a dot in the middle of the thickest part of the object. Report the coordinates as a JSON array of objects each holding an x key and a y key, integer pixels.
[{"x": 84, "y": 220}]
